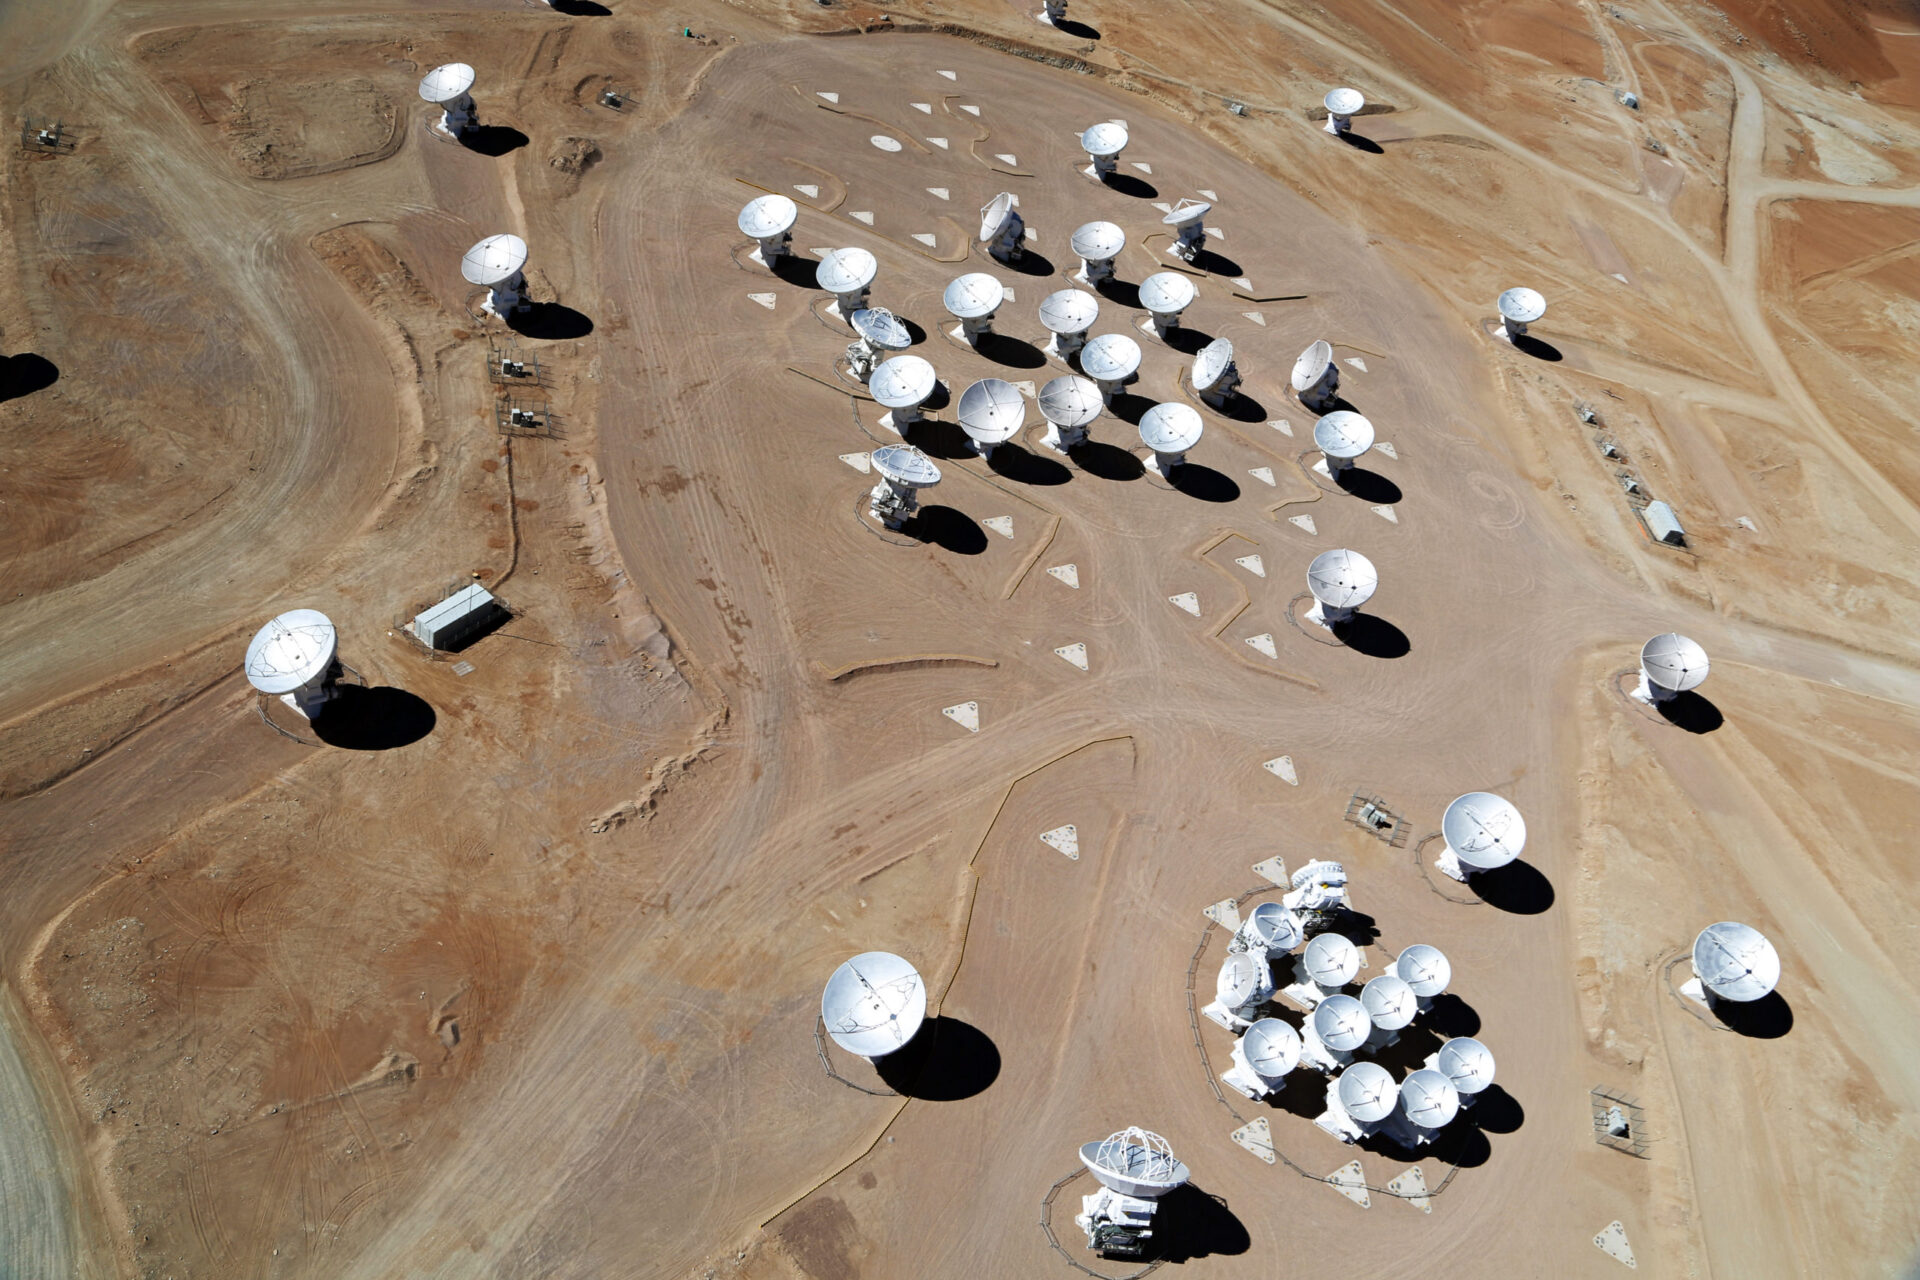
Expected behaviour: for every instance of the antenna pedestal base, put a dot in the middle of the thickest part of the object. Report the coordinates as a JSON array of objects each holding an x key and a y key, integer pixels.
[
  {"x": 1160, "y": 324},
  {"x": 1162, "y": 464},
  {"x": 891, "y": 507},
  {"x": 1109, "y": 389},
  {"x": 1696, "y": 991},
  {"x": 1116, "y": 1224},
  {"x": 771, "y": 250},
  {"x": 1060, "y": 439},
  {"x": 1650, "y": 693},
  {"x": 1064, "y": 346},
  {"x": 1235, "y": 1020},
  {"x": 1511, "y": 329},
  {"x": 1448, "y": 864},
  {"x": 1328, "y": 616},
  {"x": 1193, "y": 238},
  {"x": 1305, "y": 993},
  {"x": 861, "y": 357},
  {"x": 1324, "y": 395},
  {"x": 1315, "y": 1053},
  {"x": 845, "y": 304},
  {"x": 1054, "y": 11},
  {"x": 970, "y": 331},
  {"x": 1338, "y": 124},
  {"x": 308, "y": 702},
  {"x": 898, "y": 420},
  {"x": 1102, "y": 168},
  {"x": 1094, "y": 271},
  {"x": 1217, "y": 395}
]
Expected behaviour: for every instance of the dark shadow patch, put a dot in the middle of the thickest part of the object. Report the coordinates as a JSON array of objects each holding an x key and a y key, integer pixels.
[
  {"x": 1767, "y": 1018},
  {"x": 1410, "y": 1052},
  {"x": 801, "y": 272},
  {"x": 1024, "y": 467},
  {"x": 1240, "y": 407},
  {"x": 376, "y": 719},
  {"x": 481, "y": 629},
  {"x": 1527, "y": 344},
  {"x": 938, "y": 438},
  {"x": 493, "y": 139},
  {"x": 1691, "y": 712},
  {"x": 940, "y": 397},
  {"x": 1128, "y": 185},
  {"x": 1357, "y": 927},
  {"x": 915, "y": 334},
  {"x": 1031, "y": 262},
  {"x": 581, "y": 8},
  {"x": 1215, "y": 264},
  {"x": 1451, "y": 1016},
  {"x": 1302, "y": 1093},
  {"x": 1186, "y": 341},
  {"x": 26, "y": 373},
  {"x": 1193, "y": 1224},
  {"x": 1120, "y": 293},
  {"x": 1106, "y": 461},
  {"x": 551, "y": 320},
  {"x": 947, "y": 529},
  {"x": 949, "y": 1060},
  {"x": 1460, "y": 1143},
  {"x": 1359, "y": 143},
  {"x": 1497, "y": 1111},
  {"x": 1368, "y": 486},
  {"x": 1373, "y": 636},
  {"x": 1128, "y": 407},
  {"x": 1204, "y": 483},
  {"x": 1339, "y": 402},
  {"x": 1014, "y": 353},
  {"x": 1517, "y": 887},
  {"x": 1079, "y": 30}
]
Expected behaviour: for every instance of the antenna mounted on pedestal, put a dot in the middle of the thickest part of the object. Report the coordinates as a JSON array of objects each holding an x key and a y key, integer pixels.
[{"x": 873, "y": 1004}]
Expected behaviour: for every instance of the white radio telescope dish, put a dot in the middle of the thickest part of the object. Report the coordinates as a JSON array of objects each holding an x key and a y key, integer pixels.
[
  {"x": 881, "y": 328},
  {"x": 1389, "y": 1001},
  {"x": 991, "y": 412},
  {"x": 1188, "y": 216},
  {"x": 1243, "y": 980},
  {"x": 1110, "y": 359},
  {"x": 445, "y": 84},
  {"x": 1001, "y": 228},
  {"x": 874, "y": 1003},
  {"x": 1165, "y": 294},
  {"x": 1214, "y": 373},
  {"x": 901, "y": 385},
  {"x": 1671, "y": 664},
  {"x": 1341, "y": 581},
  {"x": 293, "y": 651},
  {"x": 1519, "y": 307},
  {"x": 1135, "y": 1163},
  {"x": 1342, "y": 1023},
  {"x": 1342, "y": 436},
  {"x": 1170, "y": 429},
  {"x": 1425, "y": 969},
  {"x": 1429, "y": 1099},
  {"x": 1271, "y": 1047},
  {"x": 1467, "y": 1063},
  {"x": 905, "y": 465},
  {"x": 1341, "y": 104},
  {"x": 1735, "y": 961},
  {"x": 1069, "y": 404},
  {"x": 765, "y": 217},
  {"x": 1367, "y": 1092},
  {"x": 973, "y": 296},
  {"x": 1103, "y": 144},
  {"x": 1330, "y": 960},
  {"x": 1483, "y": 831},
  {"x": 1270, "y": 928},
  {"x": 847, "y": 274},
  {"x": 1067, "y": 315},
  {"x": 495, "y": 260},
  {"x": 1097, "y": 244},
  {"x": 1316, "y": 378},
  {"x": 1187, "y": 211}
]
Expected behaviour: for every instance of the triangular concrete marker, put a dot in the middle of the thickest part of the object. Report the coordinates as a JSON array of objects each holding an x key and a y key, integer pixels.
[
  {"x": 924, "y": 107},
  {"x": 1386, "y": 513},
  {"x": 859, "y": 462},
  {"x": 1273, "y": 871},
  {"x": 949, "y": 75},
  {"x": 1622, "y": 279},
  {"x": 1143, "y": 167},
  {"x": 1208, "y": 194},
  {"x": 1256, "y": 1136},
  {"x": 1031, "y": 236},
  {"x": 1351, "y": 1181},
  {"x": 1224, "y": 914},
  {"x": 1117, "y": 120},
  {"x": 830, "y": 97},
  {"x": 765, "y": 299},
  {"x": 970, "y": 109},
  {"x": 1163, "y": 206},
  {"x": 1281, "y": 425},
  {"x": 1015, "y": 202},
  {"x": 1256, "y": 317},
  {"x": 1067, "y": 573},
  {"x": 939, "y": 191},
  {"x": 1027, "y": 390},
  {"x": 1243, "y": 282},
  {"x": 863, "y": 215},
  {"x": 1007, "y": 293},
  {"x": 1075, "y": 653},
  {"x": 1253, "y": 564},
  {"x": 1216, "y": 233},
  {"x": 1264, "y": 644},
  {"x": 1009, "y": 159},
  {"x": 807, "y": 189},
  {"x": 1066, "y": 839},
  {"x": 966, "y": 715},
  {"x": 1386, "y": 448},
  {"x": 819, "y": 253},
  {"x": 939, "y": 142},
  {"x": 1613, "y": 1243},
  {"x": 1305, "y": 522},
  {"x": 926, "y": 238},
  {"x": 1281, "y": 767},
  {"x": 1357, "y": 363},
  {"x": 1186, "y": 600},
  {"x": 1263, "y": 474},
  {"x": 1412, "y": 1187},
  {"x": 1002, "y": 525}
]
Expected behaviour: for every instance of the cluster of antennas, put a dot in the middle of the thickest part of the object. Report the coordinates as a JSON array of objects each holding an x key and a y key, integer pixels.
[
  {"x": 1135, "y": 1168},
  {"x": 874, "y": 1004},
  {"x": 447, "y": 87},
  {"x": 296, "y": 659}
]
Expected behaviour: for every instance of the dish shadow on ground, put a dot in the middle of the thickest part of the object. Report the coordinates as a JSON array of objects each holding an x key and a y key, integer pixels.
[
  {"x": 373, "y": 719},
  {"x": 1023, "y": 466},
  {"x": 1202, "y": 482},
  {"x": 1359, "y": 143},
  {"x": 493, "y": 139},
  {"x": 1015, "y": 353},
  {"x": 947, "y": 529},
  {"x": 26, "y": 373},
  {"x": 1374, "y": 636},
  {"x": 1106, "y": 461},
  {"x": 1128, "y": 185},
  {"x": 550, "y": 320},
  {"x": 1031, "y": 262},
  {"x": 949, "y": 1060},
  {"x": 1692, "y": 712},
  {"x": 1191, "y": 1223},
  {"x": 1240, "y": 407},
  {"x": 1530, "y": 345},
  {"x": 1517, "y": 887},
  {"x": 1767, "y": 1018},
  {"x": 1368, "y": 486}
]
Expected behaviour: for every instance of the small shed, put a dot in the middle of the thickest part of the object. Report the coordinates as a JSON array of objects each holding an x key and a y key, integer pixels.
[
  {"x": 461, "y": 617},
  {"x": 1664, "y": 525}
]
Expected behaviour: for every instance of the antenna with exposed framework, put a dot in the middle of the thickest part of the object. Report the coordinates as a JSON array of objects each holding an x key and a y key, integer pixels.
[
  {"x": 446, "y": 87},
  {"x": 1214, "y": 373},
  {"x": 1316, "y": 378},
  {"x": 900, "y": 386},
  {"x": 1732, "y": 961},
  {"x": 1111, "y": 360},
  {"x": 903, "y": 472},
  {"x": 769, "y": 219},
  {"x": 1188, "y": 218},
  {"x": 1337, "y": 1029},
  {"x": 1103, "y": 144},
  {"x": 495, "y": 264},
  {"x": 1341, "y": 436},
  {"x": 992, "y": 412},
  {"x": 879, "y": 331},
  {"x": 1135, "y": 1169},
  {"x": 1165, "y": 294},
  {"x": 1262, "y": 1057},
  {"x": 1360, "y": 1100},
  {"x": 1341, "y": 581},
  {"x": 1670, "y": 665},
  {"x": 1468, "y": 1064},
  {"x": 1519, "y": 307},
  {"x": 874, "y": 1003},
  {"x": 972, "y": 299},
  {"x": 1067, "y": 315},
  {"x": 1326, "y": 965},
  {"x": 1342, "y": 105},
  {"x": 296, "y": 659},
  {"x": 847, "y": 274},
  {"x": 1482, "y": 832},
  {"x": 1001, "y": 229},
  {"x": 1169, "y": 429},
  {"x": 1317, "y": 892},
  {"x": 1097, "y": 244},
  {"x": 1069, "y": 404},
  {"x": 1244, "y": 984}
]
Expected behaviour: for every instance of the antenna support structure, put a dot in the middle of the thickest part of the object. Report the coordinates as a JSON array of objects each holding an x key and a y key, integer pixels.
[
  {"x": 1002, "y": 230},
  {"x": 1135, "y": 1169},
  {"x": 1188, "y": 217},
  {"x": 1342, "y": 104},
  {"x": 903, "y": 472},
  {"x": 446, "y": 87},
  {"x": 1053, "y": 12}
]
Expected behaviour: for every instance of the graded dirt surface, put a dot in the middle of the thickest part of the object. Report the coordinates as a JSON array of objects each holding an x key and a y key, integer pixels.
[{"x": 509, "y": 965}]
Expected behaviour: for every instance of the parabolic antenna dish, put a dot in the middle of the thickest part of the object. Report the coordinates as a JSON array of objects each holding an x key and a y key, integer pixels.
[
  {"x": 1342, "y": 1023},
  {"x": 1484, "y": 830},
  {"x": 1111, "y": 357},
  {"x": 1098, "y": 241},
  {"x": 1735, "y": 961},
  {"x": 1343, "y": 101},
  {"x": 1069, "y": 311},
  {"x": 1312, "y": 365},
  {"x": 1243, "y": 980},
  {"x": 291, "y": 652},
  {"x": 1187, "y": 211},
  {"x": 1368, "y": 1091},
  {"x": 1674, "y": 662},
  {"x": 1272, "y": 926},
  {"x": 875, "y": 1002},
  {"x": 1271, "y": 1047},
  {"x": 1524, "y": 305},
  {"x": 902, "y": 382},
  {"x": 1135, "y": 1163},
  {"x": 1467, "y": 1063},
  {"x": 494, "y": 260},
  {"x": 1330, "y": 960},
  {"x": 1171, "y": 427},
  {"x": 881, "y": 328},
  {"x": 1429, "y": 1099},
  {"x": 993, "y": 218},
  {"x": 991, "y": 410},
  {"x": 1211, "y": 362},
  {"x": 903, "y": 464},
  {"x": 1389, "y": 1001},
  {"x": 1166, "y": 292},
  {"x": 973, "y": 295},
  {"x": 1341, "y": 578},
  {"x": 1342, "y": 434},
  {"x": 1425, "y": 969},
  {"x": 1070, "y": 401},
  {"x": 1108, "y": 138},
  {"x": 846, "y": 270},
  {"x": 444, "y": 84},
  {"x": 768, "y": 216}
]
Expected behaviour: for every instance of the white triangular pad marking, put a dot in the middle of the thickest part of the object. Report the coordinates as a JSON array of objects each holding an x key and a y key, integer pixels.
[
  {"x": 1141, "y": 165},
  {"x": 1223, "y": 913},
  {"x": 966, "y": 715},
  {"x": 1208, "y": 194},
  {"x": 1186, "y": 600},
  {"x": 1281, "y": 767},
  {"x": 830, "y": 97},
  {"x": 939, "y": 142},
  {"x": 1027, "y": 389},
  {"x": 1264, "y": 643},
  {"x": 1256, "y": 317},
  {"x": 1305, "y": 522},
  {"x": 765, "y": 299},
  {"x": 940, "y": 192},
  {"x": 1002, "y": 525},
  {"x": 923, "y": 107},
  {"x": 1383, "y": 446},
  {"x": 1263, "y": 474},
  {"x": 1216, "y": 233},
  {"x": 926, "y": 238},
  {"x": 1243, "y": 282},
  {"x": 1074, "y": 653},
  {"x": 1386, "y": 513},
  {"x": 1066, "y": 839},
  {"x": 1163, "y": 206},
  {"x": 807, "y": 189},
  {"x": 949, "y": 75},
  {"x": 1255, "y": 1136},
  {"x": 1007, "y": 293},
  {"x": 1252, "y": 564},
  {"x": 859, "y": 462},
  {"x": 1613, "y": 1243},
  {"x": 1412, "y": 1186},
  {"x": 1357, "y": 363},
  {"x": 1010, "y": 159},
  {"x": 1281, "y": 425},
  {"x": 1067, "y": 573},
  {"x": 819, "y": 253},
  {"x": 863, "y": 215},
  {"x": 1273, "y": 871},
  {"x": 1351, "y": 1182},
  {"x": 969, "y": 109}
]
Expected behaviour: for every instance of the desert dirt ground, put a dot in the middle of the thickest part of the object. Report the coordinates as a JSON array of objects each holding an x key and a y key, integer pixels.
[{"x": 514, "y": 970}]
